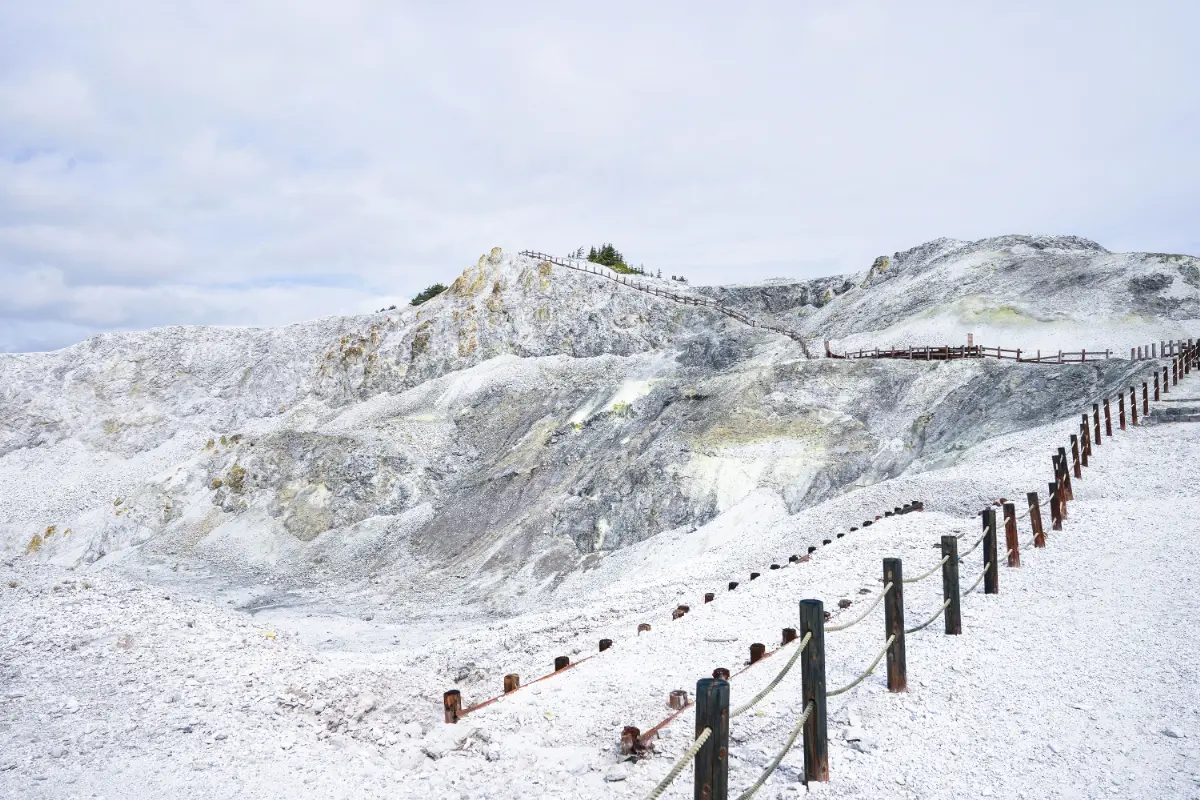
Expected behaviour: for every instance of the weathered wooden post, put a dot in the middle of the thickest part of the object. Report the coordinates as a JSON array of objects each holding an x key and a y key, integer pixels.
[
  {"x": 1146, "y": 398},
  {"x": 1155, "y": 387},
  {"x": 893, "y": 621},
  {"x": 561, "y": 662},
  {"x": 712, "y": 759},
  {"x": 1010, "y": 535},
  {"x": 950, "y": 587},
  {"x": 991, "y": 577},
  {"x": 757, "y": 650},
  {"x": 1086, "y": 438},
  {"x": 789, "y": 636},
  {"x": 1075, "y": 466},
  {"x": 1055, "y": 510},
  {"x": 1070, "y": 493},
  {"x": 1096, "y": 420},
  {"x": 452, "y": 703},
  {"x": 1133, "y": 404},
  {"x": 1035, "y": 519},
  {"x": 1059, "y": 480},
  {"x": 605, "y": 644},
  {"x": 512, "y": 682},
  {"x": 1107, "y": 419},
  {"x": 1121, "y": 409},
  {"x": 812, "y": 681}
]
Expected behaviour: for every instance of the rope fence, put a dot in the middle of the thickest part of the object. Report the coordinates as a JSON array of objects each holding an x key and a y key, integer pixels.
[
  {"x": 868, "y": 671},
  {"x": 929, "y": 621},
  {"x": 766, "y": 691},
  {"x": 680, "y": 765},
  {"x": 925, "y": 575},
  {"x": 791, "y": 740},
  {"x": 878, "y": 598},
  {"x": 708, "y": 752}
]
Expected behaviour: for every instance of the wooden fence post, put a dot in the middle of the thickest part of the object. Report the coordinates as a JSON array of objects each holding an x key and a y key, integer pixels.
[
  {"x": 512, "y": 682},
  {"x": 1096, "y": 420},
  {"x": 1166, "y": 384},
  {"x": 1062, "y": 487},
  {"x": 1085, "y": 428},
  {"x": 1107, "y": 419},
  {"x": 1133, "y": 404},
  {"x": 812, "y": 681},
  {"x": 1055, "y": 511},
  {"x": 1155, "y": 386},
  {"x": 1066, "y": 475},
  {"x": 1146, "y": 398},
  {"x": 1121, "y": 409},
  {"x": 893, "y": 622},
  {"x": 950, "y": 587},
  {"x": 1075, "y": 467},
  {"x": 452, "y": 703},
  {"x": 991, "y": 577},
  {"x": 712, "y": 760},
  {"x": 1035, "y": 519},
  {"x": 1010, "y": 535}
]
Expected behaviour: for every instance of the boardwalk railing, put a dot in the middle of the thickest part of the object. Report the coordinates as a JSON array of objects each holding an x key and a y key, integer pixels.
[{"x": 950, "y": 353}]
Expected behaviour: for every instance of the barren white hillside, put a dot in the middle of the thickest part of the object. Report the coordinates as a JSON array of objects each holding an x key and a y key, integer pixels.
[
  {"x": 1032, "y": 292},
  {"x": 123, "y": 688},
  {"x": 261, "y": 553}
]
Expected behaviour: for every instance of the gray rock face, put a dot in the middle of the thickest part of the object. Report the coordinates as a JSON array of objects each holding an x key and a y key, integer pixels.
[{"x": 511, "y": 430}]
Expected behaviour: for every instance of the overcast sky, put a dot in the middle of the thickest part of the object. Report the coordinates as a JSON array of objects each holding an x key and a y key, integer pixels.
[{"x": 264, "y": 162}]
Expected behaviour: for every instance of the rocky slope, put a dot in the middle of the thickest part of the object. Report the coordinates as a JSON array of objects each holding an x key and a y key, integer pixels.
[
  {"x": 510, "y": 433},
  {"x": 1033, "y": 292}
]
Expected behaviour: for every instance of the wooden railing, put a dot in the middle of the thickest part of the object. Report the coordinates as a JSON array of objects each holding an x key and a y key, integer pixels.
[
  {"x": 627, "y": 280},
  {"x": 949, "y": 353}
]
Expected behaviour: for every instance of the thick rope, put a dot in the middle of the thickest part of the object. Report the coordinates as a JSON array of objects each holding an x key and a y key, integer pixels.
[
  {"x": 961, "y": 556},
  {"x": 680, "y": 764},
  {"x": 925, "y": 575},
  {"x": 929, "y": 621},
  {"x": 863, "y": 615},
  {"x": 980, "y": 580},
  {"x": 746, "y": 795},
  {"x": 754, "y": 701},
  {"x": 870, "y": 669}
]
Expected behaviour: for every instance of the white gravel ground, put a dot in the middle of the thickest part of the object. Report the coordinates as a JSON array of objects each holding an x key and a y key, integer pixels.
[{"x": 1078, "y": 680}]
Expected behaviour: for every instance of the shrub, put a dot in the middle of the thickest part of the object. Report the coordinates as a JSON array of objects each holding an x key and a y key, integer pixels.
[
  {"x": 427, "y": 294},
  {"x": 236, "y": 479},
  {"x": 611, "y": 257}
]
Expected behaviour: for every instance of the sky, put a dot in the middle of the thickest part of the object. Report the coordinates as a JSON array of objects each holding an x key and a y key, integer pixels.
[{"x": 257, "y": 163}]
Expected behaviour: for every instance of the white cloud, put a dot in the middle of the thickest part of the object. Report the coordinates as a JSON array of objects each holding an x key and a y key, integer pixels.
[{"x": 190, "y": 158}]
